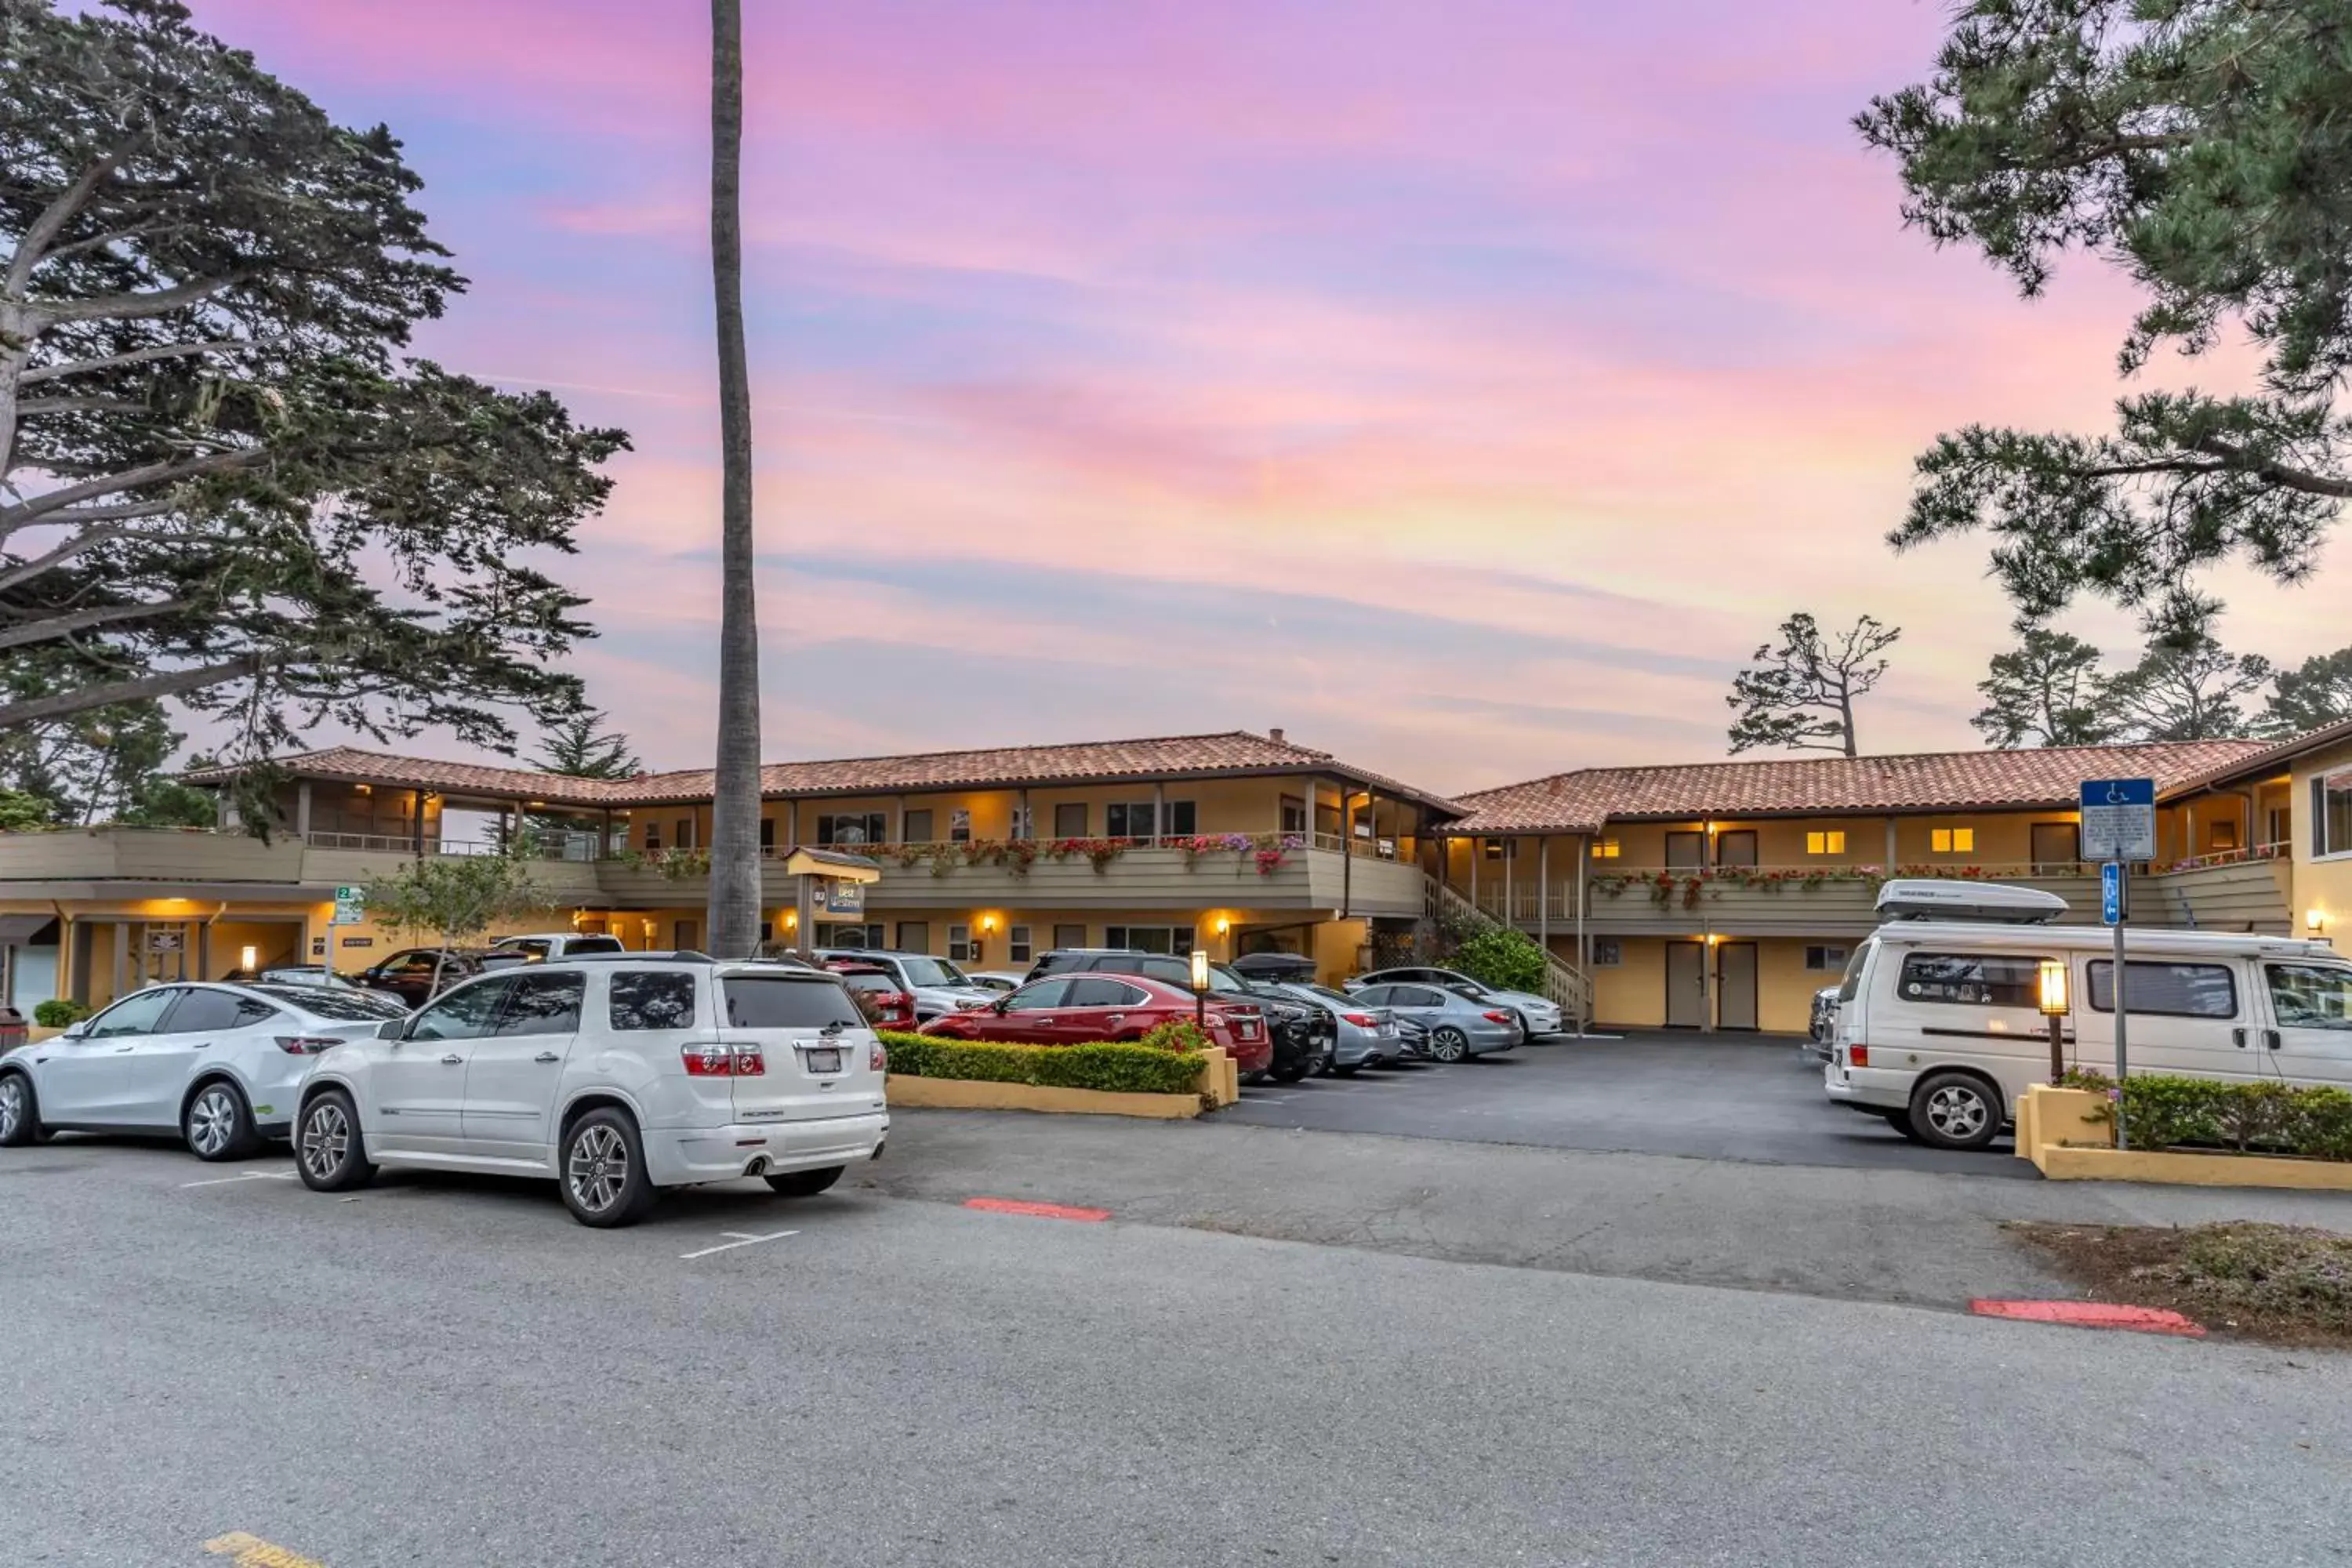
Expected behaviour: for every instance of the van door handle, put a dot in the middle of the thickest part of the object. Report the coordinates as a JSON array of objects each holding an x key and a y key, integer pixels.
[
  {"x": 2237, "y": 1038},
  {"x": 547, "y": 1056},
  {"x": 2271, "y": 1038},
  {"x": 452, "y": 1059}
]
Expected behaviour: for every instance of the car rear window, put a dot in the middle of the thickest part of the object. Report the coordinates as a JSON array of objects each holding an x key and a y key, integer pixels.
[
  {"x": 594, "y": 944},
  {"x": 774, "y": 1002},
  {"x": 346, "y": 1006},
  {"x": 651, "y": 999}
]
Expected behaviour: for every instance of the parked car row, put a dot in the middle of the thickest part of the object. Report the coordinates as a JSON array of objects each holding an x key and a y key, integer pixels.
[{"x": 615, "y": 1075}]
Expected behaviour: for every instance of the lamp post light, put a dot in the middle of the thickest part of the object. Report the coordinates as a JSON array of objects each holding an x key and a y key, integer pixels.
[
  {"x": 2054, "y": 1009},
  {"x": 1201, "y": 989}
]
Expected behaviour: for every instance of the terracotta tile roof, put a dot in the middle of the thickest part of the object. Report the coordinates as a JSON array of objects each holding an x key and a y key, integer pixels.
[
  {"x": 1586, "y": 801},
  {"x": 2270, "y": 757},
  {"x": 1233, "y": 753}
]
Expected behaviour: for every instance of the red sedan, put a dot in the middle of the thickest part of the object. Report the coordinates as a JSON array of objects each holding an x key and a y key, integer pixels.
[{"x": 1073, "y": 1009}]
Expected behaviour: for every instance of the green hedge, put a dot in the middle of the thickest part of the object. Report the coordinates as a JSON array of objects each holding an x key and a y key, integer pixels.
[
  {"x": 1118, "y": 1067},
  {"x": 2163, "y": 1111},
  {"x": 58, "y": 1013}
]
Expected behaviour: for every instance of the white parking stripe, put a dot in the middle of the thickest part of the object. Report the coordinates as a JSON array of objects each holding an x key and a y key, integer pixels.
[
  {"x": 742, "y": 1238},
  {"x": 247, "y": 1176}
]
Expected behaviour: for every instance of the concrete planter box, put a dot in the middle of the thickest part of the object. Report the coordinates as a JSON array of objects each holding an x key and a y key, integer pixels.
[
  {"x": 973, "y": 1094},
  {"x": 2057, "y": 1130}
]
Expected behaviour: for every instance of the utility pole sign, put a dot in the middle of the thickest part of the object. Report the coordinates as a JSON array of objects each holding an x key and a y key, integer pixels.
[{"x": 2118, "y": 827}]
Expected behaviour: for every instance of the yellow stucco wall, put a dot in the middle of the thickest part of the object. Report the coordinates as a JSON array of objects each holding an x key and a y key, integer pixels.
[
  {"x": 2322, "y": 887},
  {"x": 1633, "y": 995}
]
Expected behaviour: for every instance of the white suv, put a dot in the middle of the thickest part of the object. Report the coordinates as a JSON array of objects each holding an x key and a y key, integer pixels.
[{"x": 616, "y": 1076}]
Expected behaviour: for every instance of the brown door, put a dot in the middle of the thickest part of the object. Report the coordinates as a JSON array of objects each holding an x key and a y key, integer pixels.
[
  {"x": 1686, "y": 985},
  {"x": 1689, "y": 849},
  {"x": 2056, "y": 846},
  {"x": 1735, "y": 983},
  {"x": 1739, "y": 849}
]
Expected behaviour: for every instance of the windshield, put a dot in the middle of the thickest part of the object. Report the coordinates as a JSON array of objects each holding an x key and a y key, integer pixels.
[
  {"x": 932, "y": 971},
  {"x": 319, "y": 1001}
]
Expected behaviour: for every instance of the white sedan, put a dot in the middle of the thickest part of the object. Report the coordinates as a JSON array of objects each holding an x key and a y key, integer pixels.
[{"x": 218, "y": 1064}]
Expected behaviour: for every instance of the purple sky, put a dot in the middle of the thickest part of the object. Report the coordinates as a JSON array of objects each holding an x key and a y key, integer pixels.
[{"x": 1466, "y": 388}]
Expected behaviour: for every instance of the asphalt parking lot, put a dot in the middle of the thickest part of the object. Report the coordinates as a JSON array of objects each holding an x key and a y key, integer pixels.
[{"x": 1718, "y": 1097}]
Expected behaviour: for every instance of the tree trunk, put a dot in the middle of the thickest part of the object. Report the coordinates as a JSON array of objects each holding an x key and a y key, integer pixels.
[
  {"x": 733, "y": 913},
  {"x": 1845, "y": 715}
]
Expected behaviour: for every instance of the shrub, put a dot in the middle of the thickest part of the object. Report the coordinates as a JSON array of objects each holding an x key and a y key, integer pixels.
[
  {"x": 1505, "y": 959},
  {"x": 1176, "y": 1035},
  {"x": 1118, "y": 1067},
  {"x": 59, "y": 1012},
  {"x": 2164, "y": 1112}
]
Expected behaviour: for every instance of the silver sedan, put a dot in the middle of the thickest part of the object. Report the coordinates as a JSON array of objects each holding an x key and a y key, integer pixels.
[
  {"x": 1367, "y": 1035},
  {"x": 1459, "y": 1026}
]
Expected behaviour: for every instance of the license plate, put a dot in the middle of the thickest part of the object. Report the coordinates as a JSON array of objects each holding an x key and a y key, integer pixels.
[
  {"x": 1249, "y": 1031},
  {"x": 1385, "y": 1029},
  {"x": 825, "y": 1059}
]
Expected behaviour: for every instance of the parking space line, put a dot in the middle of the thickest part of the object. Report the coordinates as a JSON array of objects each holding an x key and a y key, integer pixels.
[
  {"x": 742, "y": 1238},
  {"x": 252, "y": 1552},
  {"x": 246, "y": 1176}
]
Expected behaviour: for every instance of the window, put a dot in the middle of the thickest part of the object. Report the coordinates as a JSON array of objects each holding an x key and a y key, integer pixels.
[
  {"x": 134, "y": 1015},
  {"x": 960, "y": 948},
  {"x": 1149, "y": 939},
  {"x": 959, "y": 825},
  {"x": 1020, "y": 825},
  {"x": 544, "y": 1004},
  {"x": 2166, "y": 990},
  {"x": 1416, "y": 997},
  {"x": 1608, "y": 952},
  {"x": 928, "y": 971},
  {"x": 651, "y": 999},
  {"x": 1825, "y": 958},
  {"x": 1182, "y": 819},
  {"x": 203, "y": 1010},
  {"x": 1070, "y": 936},
  {"x": 1017, "y": 949},
  {"x": 596, "y": 943},
  {"x": 2309, "y": 995},
  {"x": 1070, "y": 820},
  {"x": 914, "y": 827},
  {"x": 834, "y": 935},
  {"x": 1952, "y": 840},
  {"x": 2331, "y": 813},
  {"x": 345, "y": 1006},
  {"x": 1832, "y": 842},
  {"x": 1606, "y": 849},
  {"x": 653, "y": 835},
  {"x": 1851, "y": 985},
  {"x": 535, "y": 948},
  {"x": 767, "y": 834},
  {"x": 1127, "y": 819},
  {"x": 684, "y": 934},
  {"x": 1041, "y": 996},
  {"x": 465, "y": 1014},
  {"x": 774, "y": 1002},
  {"x": 914, "y": 936},
  {"x": 852, "y": 827},
  {"x": 2221, "y": 837},
  {"x": 1294, "y": 814},
  {"x": 1096, "y": 992},
  {"x": 685, "y": 839},
  {"x": 1972, "y": 979}
]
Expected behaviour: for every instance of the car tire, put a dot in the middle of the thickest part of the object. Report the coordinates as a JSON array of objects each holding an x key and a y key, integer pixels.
[
  {"x": 1338, "y": 1071},
  {"x": 1901, "y": 1122},
  {"x": 1254, "y": 1078},
  {"x": 600, "y": 1167},
  {"x": 1448, "y": 1045},
  {"x": 217, "y": 1124},
  {"x": 1954, "y": 1110},
  {"x": 1290, "y": 1074},
  {"x": 804, "y": 1184},
  {"x": 20, "y": 1112},
  {"x": 330, "y": 1154}
]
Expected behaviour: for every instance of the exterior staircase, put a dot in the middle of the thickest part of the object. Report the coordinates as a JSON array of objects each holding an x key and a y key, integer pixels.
[{"x": 1563, "y": 983}]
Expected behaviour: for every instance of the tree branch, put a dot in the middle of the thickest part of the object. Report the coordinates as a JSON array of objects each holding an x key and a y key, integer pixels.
[
  {"x": 138, "y": 356},
  {"x": 82, "y": 700},
  {"x": 2276, "y": 473},
  {"x": 54, "y": 218},
  {"x": 16, "y": 517},
  {"x": 82, "y": 620},
  {"x": 80, "y": 405},
  {"x": 130, "y": 307}
]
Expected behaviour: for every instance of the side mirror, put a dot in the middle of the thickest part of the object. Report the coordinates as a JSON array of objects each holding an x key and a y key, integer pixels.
[
  {"x": 81, "y": 1030},
  {"x": 392, "y": 1029},
  {"x": 1006, "y": 1001}
]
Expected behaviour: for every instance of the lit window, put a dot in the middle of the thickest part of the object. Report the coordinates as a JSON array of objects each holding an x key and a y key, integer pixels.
[
  {"x": 1606, "y": 849},
  {"x": 1829, "y": 843},
  {"x": 1952, "y": 840}
]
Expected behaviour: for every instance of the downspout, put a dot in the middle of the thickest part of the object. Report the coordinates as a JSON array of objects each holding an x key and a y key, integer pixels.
[{"x": 1583, "y": 943}]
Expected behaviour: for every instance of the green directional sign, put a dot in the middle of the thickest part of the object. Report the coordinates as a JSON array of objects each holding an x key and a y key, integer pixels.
[{"x": 351, "y": 906}]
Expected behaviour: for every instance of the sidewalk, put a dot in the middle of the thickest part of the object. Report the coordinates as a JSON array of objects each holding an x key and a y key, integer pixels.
[{"x": 1916, "y": 1237}]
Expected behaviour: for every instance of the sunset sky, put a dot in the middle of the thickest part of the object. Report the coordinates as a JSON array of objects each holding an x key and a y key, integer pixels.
[{"x": 1466, "y": 388}]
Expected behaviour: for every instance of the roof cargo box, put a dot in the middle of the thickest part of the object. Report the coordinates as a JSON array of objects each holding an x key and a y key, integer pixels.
[{"x": 1926, "y": 898}]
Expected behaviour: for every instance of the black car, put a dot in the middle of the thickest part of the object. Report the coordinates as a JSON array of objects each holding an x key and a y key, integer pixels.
[
  {"x": 1304, "y": 1036},
  {"x": 408, "y": 973}
]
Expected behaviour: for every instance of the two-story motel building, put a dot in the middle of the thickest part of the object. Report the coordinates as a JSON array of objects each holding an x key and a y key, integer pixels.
[{"x": 1713, "y": 896}]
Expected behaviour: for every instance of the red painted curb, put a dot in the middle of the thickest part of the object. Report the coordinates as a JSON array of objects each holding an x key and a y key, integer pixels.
[
  {"x": 1040, "y": 1211},
  {"x": 2093, "y": 1315}
]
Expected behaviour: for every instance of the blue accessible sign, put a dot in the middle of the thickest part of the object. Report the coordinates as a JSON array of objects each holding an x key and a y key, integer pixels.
[
  {"x": 2119, "y": 819},
  {"x": 2111, "y": 893}
]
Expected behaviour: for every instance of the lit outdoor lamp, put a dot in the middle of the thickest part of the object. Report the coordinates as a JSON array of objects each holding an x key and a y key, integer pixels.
[
  {"x": 1201, "y": 987},
  {"x": 2054, "y": 1009}
]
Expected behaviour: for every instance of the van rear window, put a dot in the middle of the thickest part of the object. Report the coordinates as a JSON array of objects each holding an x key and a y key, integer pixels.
[{"x": 1972, "y": 979}]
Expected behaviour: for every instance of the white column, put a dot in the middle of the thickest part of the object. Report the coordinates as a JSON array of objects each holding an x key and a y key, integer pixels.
[{"x": 302, "y": 812}]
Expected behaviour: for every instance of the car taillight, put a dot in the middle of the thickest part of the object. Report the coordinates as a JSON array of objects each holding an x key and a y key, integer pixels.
[
  {"x": 305, "y": 1045},
  {"x": 1857, "y": 1056},
  {"x": 1361, "y": 1020},
  {"x": 878, "y": 1059},
  {"x": 1495, "y": 1017},
  {"x": 714, "y": 1060}
]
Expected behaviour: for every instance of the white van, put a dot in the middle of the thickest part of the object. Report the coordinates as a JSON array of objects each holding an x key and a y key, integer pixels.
[{"x": 1939, "y": 1028}]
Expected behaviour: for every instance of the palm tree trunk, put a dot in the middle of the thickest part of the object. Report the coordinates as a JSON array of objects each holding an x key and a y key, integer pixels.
[{"x": 734, "y": 908}]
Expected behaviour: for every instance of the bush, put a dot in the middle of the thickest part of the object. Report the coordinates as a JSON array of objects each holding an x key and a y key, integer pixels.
[
  {"x": 2164, "y": 1112},
  {"x": 1115, "y": 1066},
  {"x": 1176, "y": 1035},
  {"x": 58, "y": 1013},
  {"x": 1505, "y": 959}
]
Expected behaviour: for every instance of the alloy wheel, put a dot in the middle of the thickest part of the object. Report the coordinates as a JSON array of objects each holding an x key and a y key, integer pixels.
[
  {"x": 212, "y": 1121},
  {"x": 12, "y": 1106},
  {"x": 598, "y": 1168},
  {"x": 326, "y": 1134},
  {"x": 1957, "y": 1110},
  {"x": 1449, "y": 1045}
]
